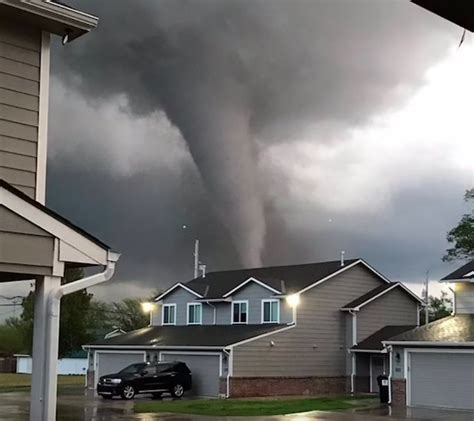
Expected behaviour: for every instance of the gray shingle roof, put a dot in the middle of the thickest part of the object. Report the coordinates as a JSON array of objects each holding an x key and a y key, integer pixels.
[
  {"x": 190, "y": 336},
  {"x": 461, "y": 272},
  {"x": 290, "y": 278},
  {"x": 374, "y": 341},
  {"x": 458, "y": 328},
  {"x": 371, "y": 294}
]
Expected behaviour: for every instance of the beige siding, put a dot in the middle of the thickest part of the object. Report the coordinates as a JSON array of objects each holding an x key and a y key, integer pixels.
[
  {"x": 23, "y": 244},
  {"x": 20, "y": 49},
  {"x": 464, "y": 298},
  {"x": 394, "y": 308},
  {"x": 317, "y": 345}
]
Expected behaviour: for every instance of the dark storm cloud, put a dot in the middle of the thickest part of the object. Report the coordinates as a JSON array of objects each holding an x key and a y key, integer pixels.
[{"x": 228, "y": 72}]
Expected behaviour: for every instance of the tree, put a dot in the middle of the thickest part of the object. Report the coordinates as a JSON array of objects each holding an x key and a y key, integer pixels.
[
  {"x": 129, "y": 314},
  {"x": 73, "y": 329},
  {"x": 462, "y": 235},
  {"x": 439, "y": 307}
]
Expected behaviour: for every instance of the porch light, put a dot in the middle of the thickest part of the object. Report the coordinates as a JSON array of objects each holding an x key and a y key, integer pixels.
[
  {"x": 147, "y": 307},
  {"x": 293, "y": 300}
]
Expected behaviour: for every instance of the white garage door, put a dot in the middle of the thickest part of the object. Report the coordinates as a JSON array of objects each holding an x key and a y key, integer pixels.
[
  {"x": 443, "y": 380},
  {"x": 111, "y": 362},
  {"x": 205, "y": 371}
]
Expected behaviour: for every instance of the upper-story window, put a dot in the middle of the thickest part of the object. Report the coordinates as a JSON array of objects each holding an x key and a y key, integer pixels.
[
  {"x": 169, "y": 314},
  {"x": 270, "y": 311},
  {"x": 194, "y": 313},
  {"x": 240, "y": 312}
]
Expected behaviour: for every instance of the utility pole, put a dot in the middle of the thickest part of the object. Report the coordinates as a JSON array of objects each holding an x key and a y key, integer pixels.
[
  {"x": 196, "y": 258},
  {"x": 426, "y": 298}
]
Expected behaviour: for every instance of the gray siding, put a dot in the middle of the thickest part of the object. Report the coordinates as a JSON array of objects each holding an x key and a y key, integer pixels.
[
  {"x": 24, "y": 247},
  {"x": 20, "y": 49},
  {"x": 254, "y": 294},
  {"x": 317, "y": 345},
  {"x": 394, "y": 308},
  {"x": 181, "y": 297},
  {"x": 464, "y": 298}
]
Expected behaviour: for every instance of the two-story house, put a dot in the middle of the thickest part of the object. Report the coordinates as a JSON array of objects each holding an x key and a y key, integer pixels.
[
  {"x": 433, "y": 365},
  {"x": 35, "y": 242},
  {"x": 272, "y": 330}
]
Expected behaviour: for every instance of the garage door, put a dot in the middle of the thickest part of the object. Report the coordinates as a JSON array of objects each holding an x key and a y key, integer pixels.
[
  {"x": 442, "y": 380},
  {"x": 111, "y": 362},
  {"x": 204, "y": 369}
]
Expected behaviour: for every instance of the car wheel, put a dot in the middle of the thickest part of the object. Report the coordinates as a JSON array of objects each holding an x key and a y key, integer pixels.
[
  {"x": 128, "y": 392},
  {"x": 156, "y": 395},
  {"x": 177, "y": 391}
]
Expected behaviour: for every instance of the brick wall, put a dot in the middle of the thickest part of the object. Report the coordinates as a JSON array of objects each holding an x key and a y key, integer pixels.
[
  {"x": 399, "y": 392},
  {"x": 279, "y": 386}
]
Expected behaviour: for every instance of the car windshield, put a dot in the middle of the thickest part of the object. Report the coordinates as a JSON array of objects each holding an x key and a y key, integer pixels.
[{"x": 134, "y": 368}]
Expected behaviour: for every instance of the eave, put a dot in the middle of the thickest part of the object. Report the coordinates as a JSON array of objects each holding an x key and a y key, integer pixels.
[{"x": 51, "y": 17}]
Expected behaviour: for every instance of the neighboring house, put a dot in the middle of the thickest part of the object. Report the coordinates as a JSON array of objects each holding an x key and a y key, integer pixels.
[
  {"x": 73, "y": 363},
  {"x": 270, "y": 331},
  {"x": 433, "y": 365},
  {"x": 37, "y": 243}
]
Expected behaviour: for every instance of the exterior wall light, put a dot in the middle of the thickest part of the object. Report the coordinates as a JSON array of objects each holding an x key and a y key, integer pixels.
[
  {"x": 293, "y": 300},
  {"x": 147, "y": 307},
  {"x": 272, "y": 343}
]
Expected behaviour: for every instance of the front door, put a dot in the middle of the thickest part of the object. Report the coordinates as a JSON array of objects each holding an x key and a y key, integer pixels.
[{"x": 377, "y": 368}]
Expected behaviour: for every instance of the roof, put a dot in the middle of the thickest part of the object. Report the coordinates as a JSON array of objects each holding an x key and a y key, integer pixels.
[
  {"x": 51, "y": 213},
  {"x": 52, "y": 16},
  {"x": 374, "y": 341},
  {"x": 452, "y": 329},
  {"x": 375, "y": 293},
  {"x": 188, "y": 336},
  {"x": 463, "y": 273},
  {"x": 283, "y": 279},
  {"x": 460, "y": 12}
]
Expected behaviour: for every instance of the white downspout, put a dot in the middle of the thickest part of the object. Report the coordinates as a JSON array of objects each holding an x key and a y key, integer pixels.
[
  {"x": 229, "y": 365},
  {"x": 214, "y": 310},
  {"x": 390, "y": 371},
  {"x": 353, "y": 355},
  {"x": 52, "y": 330}
]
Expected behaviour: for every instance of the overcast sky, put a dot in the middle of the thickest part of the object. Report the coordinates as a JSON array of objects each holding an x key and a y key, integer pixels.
[{"x": 278, "y": 132}]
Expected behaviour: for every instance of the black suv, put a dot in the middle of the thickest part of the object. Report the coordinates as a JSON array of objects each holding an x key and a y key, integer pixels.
[{"x": 155, "y": 378}]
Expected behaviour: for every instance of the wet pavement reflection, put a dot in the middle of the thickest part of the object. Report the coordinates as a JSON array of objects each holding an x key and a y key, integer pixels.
[{"x": 78, "y": 405}]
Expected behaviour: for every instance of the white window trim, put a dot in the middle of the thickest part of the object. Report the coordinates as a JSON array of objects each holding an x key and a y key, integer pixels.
[
  {"x": 163, "y": 314},
  {"x": 187, "y": 313},
  {"x": 271, "y": 300},
  {"x": 232, "y": 312}
]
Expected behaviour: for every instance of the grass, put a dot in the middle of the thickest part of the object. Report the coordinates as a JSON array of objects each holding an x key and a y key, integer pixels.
[
  {"x": 11, "y": 382},
  {"x": 238, "y": 407}
]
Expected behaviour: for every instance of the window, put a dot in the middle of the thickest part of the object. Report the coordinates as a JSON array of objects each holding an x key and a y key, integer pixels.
[
  {"x": 270, "y": 311},
  {"x": 240, "y": 312},
  {"x": 194, "y": 314},
  {"x": 169, "y": 314}
]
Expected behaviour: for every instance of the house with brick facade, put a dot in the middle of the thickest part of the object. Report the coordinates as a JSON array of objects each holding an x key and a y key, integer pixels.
[
  {"x": 283, "y": 330},
  {"x": 433, "y": 365}
]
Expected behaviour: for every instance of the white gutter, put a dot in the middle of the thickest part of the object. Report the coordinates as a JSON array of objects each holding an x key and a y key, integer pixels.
[
  {"x": 229, "y": 362},
  {"x": 435, "y": 344},
  {"x": 52, "y": 329}
]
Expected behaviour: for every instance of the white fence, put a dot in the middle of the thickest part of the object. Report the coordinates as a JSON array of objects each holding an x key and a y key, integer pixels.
[{"x": 65, "y": 365}]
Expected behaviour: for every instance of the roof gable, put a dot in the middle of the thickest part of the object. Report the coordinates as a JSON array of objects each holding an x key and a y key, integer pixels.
[
  {"x": 73, "y": 243},
  {"x": 376, "y": 293},
  {"x": 175, "y": 286},
  {"x": 243, "y": 284},
  {"x": 463, "y": 274}
]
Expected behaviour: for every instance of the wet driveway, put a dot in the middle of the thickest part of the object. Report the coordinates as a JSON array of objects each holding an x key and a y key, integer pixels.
[{"x": 75, "y": 405}]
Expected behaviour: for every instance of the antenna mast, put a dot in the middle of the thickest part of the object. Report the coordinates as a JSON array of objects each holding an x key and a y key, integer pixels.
[
  {"x": 196, "y": 258},
  {"x": 426, "y": 298}
]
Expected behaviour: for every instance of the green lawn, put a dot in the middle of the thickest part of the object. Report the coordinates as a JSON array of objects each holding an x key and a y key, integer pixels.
[
  {"x": 237, "y": 407},
  {"x": 11, "y": 381}
]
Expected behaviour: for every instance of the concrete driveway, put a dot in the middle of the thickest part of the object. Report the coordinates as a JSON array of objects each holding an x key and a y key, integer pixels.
[{"x": 75, "y": 405}]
